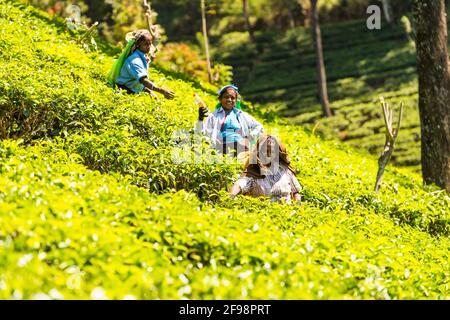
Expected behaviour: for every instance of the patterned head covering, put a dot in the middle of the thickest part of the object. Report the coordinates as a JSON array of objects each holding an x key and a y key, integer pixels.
[
  {"x": 137, "y": 36},
  {"x": 224, "y": 88}
]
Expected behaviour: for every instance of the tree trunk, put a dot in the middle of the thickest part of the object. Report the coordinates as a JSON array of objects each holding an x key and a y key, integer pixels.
[
  {"x": 434, "y": 90},
  {"x": 387, "y": 10},
  {"x": 322, "y": 78},
  {"x": 247, "y": 20},
  {"x": 205, "y": 37},
  {"x": 291, "y": 19}
]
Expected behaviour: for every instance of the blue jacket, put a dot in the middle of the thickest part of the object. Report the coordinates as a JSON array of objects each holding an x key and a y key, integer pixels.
[{"x": 134, "y": 69}]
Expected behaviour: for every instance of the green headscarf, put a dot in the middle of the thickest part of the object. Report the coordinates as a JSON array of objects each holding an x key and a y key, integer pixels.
[
  {"x": 132, "y": 38},
  {"x": 117, "y": 66}
]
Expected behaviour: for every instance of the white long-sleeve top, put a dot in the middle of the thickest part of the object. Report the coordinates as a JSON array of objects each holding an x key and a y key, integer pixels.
[{"x": 250, "y": 128}]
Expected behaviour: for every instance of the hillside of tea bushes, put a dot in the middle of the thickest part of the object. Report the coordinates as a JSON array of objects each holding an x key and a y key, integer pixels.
[
  {"x": 361, "y": 66},
  {"x": 94, "y": 204}
]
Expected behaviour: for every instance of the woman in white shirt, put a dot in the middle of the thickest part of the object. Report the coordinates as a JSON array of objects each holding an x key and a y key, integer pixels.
[
  {"x": 228, "y": 127},
  {"x": 267, "y": 173}
]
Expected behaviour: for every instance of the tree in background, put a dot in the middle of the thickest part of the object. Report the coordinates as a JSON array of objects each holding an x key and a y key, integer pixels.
[
  {"x": 387, "y": 10},
  {"x": 434, "y": 90},
  {"x": 321, "y": 73},
  {"x": 205, "y": 39},
  {"x": 181, "y": 18},
  {"x": 247, "y": 20},
  {"x": 102, "y": 11}
]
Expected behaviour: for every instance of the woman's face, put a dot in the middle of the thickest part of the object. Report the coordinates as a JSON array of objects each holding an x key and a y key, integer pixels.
[
  {"x": 145, "y": 44},
  {"x": 268, "y": 152},
  {"x": 228, "y": 99}
]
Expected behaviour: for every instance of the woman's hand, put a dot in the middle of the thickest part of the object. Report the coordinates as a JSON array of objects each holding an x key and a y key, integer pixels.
[
  {"x": 168, "y": 94},
  {"x": 202, "y": 113},
  {"x": 297, "y": 198},
  {"x": 234, "y": 191},
  {"x": 245, "y": 143}
]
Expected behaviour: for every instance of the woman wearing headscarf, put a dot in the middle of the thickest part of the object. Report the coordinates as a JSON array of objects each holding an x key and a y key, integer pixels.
[
  {"x": 268, "y": 173},
  {"x": 228, "y": 127},
  {"x": 132, "y": 75}
]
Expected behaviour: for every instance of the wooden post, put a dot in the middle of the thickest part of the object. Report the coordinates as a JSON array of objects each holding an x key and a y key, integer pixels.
[
  {"x": 148, "y": 14},
  {"x": 391, "y": 136},
  {"x": 154, "y": 32}
]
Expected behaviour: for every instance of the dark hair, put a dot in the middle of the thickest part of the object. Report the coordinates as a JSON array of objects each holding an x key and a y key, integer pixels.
[
  {"x": 139, "y": 36},
  {"x": 264, "y": 143}
]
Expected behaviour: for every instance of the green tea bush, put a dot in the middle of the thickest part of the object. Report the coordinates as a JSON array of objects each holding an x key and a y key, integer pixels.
[{"x": 68, "y": 232}]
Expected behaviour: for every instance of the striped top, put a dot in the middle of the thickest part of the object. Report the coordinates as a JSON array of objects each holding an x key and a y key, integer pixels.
[{"x": 279, "y": 186}]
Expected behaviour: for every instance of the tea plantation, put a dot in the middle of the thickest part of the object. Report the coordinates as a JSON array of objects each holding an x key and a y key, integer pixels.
[
  {"x": 360, "y": 68},
  {"x": 94, "y": 204}
]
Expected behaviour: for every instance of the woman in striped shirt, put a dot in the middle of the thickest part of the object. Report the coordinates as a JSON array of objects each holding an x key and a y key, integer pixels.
[{"x": 267, "y": 173}]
